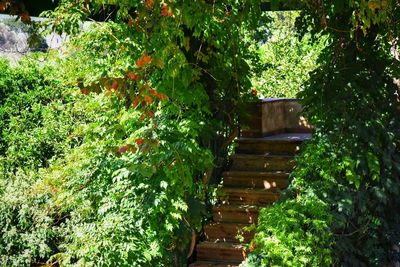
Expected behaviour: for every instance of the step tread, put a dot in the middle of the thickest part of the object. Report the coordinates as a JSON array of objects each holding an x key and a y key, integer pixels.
[
  {"x": 262, "y": 156},
  {"x": 287, "y": 137},
  {"x": 242, "y": 208},
  {"x": 227, "y": 231},
  {"x": 249, "y": 179},
  {"x": 222, "y": 245},
  {"x": 249, "y": 190},
  {"x": 262, "y": 162},
  {"x": 252, "y": 196},
  {"x": 214, "y": 264},
  {"x": 240, "y": 213},
  {"x": 256, "y": 173},
  {"x": 221, "y": 251}
]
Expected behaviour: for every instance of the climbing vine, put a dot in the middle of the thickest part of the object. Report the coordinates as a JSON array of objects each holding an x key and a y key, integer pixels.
[{"x": 163, "y": 83}]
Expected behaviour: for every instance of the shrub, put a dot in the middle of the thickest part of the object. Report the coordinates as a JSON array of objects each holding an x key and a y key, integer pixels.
[
  {"x": 86, "y": 182},
  {"x": 303, "y": 239}
]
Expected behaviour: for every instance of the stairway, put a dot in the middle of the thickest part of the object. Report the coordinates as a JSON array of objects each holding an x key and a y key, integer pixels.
[{"x": 259, "y": 171}]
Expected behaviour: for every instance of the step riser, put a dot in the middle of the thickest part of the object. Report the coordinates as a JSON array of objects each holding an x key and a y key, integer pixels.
[
  {"x": 220, "y": 254},
  {"x": 214, "y": 264},
  {"x": 272, "y": 148},
  {"x": 256, "y": 182},
  {"x": 262, "y": 164},
  {"x": 253, "y": 198},
  {"x": 227, "y": 232},
  {"x": 235, "y": 216}
]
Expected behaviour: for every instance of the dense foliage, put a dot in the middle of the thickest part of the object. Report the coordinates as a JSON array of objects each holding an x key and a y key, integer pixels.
[
  {"x": 106, "y": 150},
  {"x": 122, "y": 183},
  {"x": 351, "y": 168},
  {"x": 85, "y": 181},
  {"x": 285, "y": 60},
  {"x": 37, "y": 119}
]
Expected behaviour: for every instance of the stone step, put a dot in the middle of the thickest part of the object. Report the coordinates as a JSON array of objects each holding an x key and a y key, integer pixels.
[
  {"x": 228, "y": 232},
  {"x": 220, "y": 252},
  {"x": 248, "y": 179},
  {"x": 235, "y": 213},
  {"x": 249, "y": 196},
  {"x": 265, "y": 145},
  {"x": 214, "y": 264},
  {"x": 262, "y": 163}
]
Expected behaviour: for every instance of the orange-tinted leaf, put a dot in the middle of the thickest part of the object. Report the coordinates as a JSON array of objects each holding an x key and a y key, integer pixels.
[
  {"x": 254, "y": 92},
  {"x": 143, "y": 61},
  {"x": 150, "y": 113},
  {"x": 149, "y": 4},
  {"x": 132, "y": 76},
  {"x": 148, "y": 99},
  {"x": 127, "y": 148},
  {"x": 135, "y": 102},
  {"x": 153, "y": 92},
  {"x": 374, "y": 5},
  {"x": 162, "y": 97},
  {"x": 165, "y": 11},
  {"x": 3, "y": 7}
]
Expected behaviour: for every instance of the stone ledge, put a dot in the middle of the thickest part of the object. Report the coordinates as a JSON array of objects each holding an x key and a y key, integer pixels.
[{"x": 274, "y": 116}]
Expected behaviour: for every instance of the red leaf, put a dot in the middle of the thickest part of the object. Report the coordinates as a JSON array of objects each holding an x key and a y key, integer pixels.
[
  {"x": 139, "y": 141},
  {"x": 254, "y": 92}
]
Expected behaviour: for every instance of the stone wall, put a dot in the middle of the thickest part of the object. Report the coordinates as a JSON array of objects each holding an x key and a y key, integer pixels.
[{"x": 273, "y": 116}]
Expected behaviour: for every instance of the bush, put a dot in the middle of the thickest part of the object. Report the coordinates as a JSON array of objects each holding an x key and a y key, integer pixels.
[
  {"x": 86, "y": 182},
  {"x": 303, "y": 239}
]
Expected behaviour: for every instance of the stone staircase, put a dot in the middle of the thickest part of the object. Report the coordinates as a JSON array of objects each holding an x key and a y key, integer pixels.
[{"x": 259, "y": 171}]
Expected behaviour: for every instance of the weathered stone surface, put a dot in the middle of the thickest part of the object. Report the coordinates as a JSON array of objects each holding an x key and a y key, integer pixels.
[{"x": 274, "y": 116}]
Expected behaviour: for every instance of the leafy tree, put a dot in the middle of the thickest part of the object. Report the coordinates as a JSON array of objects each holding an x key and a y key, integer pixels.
[
  {"x": 285, "y": 61},
  {"x": 352, "y": 165}
]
